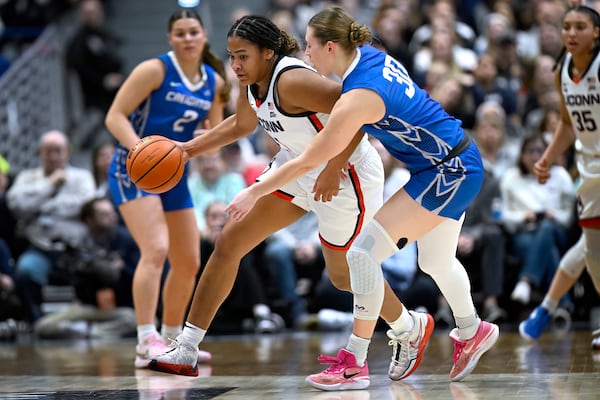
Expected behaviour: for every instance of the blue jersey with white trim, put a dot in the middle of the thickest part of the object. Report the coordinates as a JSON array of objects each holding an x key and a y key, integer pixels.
[
  {"x": 175, "y": 109},
  {"x": 415, "y": 128}
]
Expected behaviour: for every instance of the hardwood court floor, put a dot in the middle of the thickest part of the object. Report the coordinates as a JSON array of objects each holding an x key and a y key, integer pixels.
[{"x": 269, "y": 367}]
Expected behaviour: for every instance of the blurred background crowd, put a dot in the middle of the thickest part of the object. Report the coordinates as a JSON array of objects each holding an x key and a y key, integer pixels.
[{"x": 66, "y": 262}]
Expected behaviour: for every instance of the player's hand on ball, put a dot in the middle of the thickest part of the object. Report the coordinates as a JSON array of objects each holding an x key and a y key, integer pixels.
[
  {"x": 184, "y": 153},
  {"x": 241, "y": 205}
]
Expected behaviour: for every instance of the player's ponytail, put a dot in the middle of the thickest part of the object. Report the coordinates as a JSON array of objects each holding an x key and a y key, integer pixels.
[
  {"x": 210, "y": 58},
  {"x": 336, "y": 25}
]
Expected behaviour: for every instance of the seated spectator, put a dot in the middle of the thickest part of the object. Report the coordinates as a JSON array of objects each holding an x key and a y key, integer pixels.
[
  {"x": 509, "y": 65},
  {"x": 46, "y": 201},
  {"x": 392, "y": 28},
  {"x": 102, "y": 156},
  {"x": 540, "y": 82},
  {"x": 10, "y": 304},
  {"x": 436, "y": 74},
  {"x": 537, "y": 216},
  {"x": 8, "y": 225},
  {"x": 209, "y": 181},
  {"x": 101, "y": 269},
  {"x": 487, "y": 88},
  {"x": 92, "y": 54},
  {"x": 499, "y": 152},
  {"x": 495, "y": 24},
  {"x": 442, "y": 47},
  {"x": 441, "y": 13},
  {"x": 455, "y": 99},
  {"x": 248, "y": 300}
]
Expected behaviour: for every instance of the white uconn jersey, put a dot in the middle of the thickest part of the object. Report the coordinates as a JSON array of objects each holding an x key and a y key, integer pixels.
[
  {"x": 582, "y": 100},
  {"x": 292, "y": 132}
]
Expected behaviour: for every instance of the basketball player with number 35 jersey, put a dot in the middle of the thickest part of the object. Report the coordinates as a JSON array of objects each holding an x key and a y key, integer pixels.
[{"x": 578, "y": 80}]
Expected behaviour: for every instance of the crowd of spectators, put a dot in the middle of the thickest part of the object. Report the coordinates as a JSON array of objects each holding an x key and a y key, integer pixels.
[{"x": 489, "y": 62}]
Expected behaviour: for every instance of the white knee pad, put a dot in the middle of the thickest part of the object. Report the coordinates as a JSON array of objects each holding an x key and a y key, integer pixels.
[
  {"x": 368, "y": 306},
  {"x": 573, "y": 262},
  {"x": 371, "y": 247}
]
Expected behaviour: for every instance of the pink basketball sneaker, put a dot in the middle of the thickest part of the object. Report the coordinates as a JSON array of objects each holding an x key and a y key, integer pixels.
[
  {"x": 467, "y": 353},
  {"x": 343, "y": 373},
  {"x": 152, "y": 346}
]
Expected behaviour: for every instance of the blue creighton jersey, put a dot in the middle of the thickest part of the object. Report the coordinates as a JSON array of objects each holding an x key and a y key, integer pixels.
[
  {"x": 174, "y": 110},
  {"x": 446, "y": 169},
  {"x": 177, "y": 107},
  {"x": 415, "y": 129}
]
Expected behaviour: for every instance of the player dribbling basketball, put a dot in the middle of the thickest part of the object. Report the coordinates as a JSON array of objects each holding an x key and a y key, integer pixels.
[{"x": 170, "y": 95}]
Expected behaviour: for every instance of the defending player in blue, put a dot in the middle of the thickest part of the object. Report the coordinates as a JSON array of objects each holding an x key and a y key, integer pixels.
[{"x": 380, "y": 98}]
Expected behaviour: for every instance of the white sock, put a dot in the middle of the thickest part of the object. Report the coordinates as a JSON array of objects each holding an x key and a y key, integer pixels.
[
  {"x": 467, "y": 326},
  {"x": 169, "y": 332},
  {"x": 143, "y": 331},
  {"x": 550, "y": 305},
  {"x": 404, "y": 323},
  {"x": 192, "y": 335},
  {"x": 359, "y": 347}
]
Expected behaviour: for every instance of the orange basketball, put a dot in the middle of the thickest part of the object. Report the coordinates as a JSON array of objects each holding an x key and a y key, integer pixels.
[{"x": 155, "y": 164}]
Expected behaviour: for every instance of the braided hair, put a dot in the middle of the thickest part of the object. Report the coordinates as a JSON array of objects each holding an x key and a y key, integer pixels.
[
  {"x": 265, "y": 34},
  {"x": 595, "y": 17}
]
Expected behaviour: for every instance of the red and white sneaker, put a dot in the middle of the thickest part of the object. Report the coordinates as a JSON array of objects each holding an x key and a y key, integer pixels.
[
  {"x": 152, "y": 346},
  {"x": 342, "y": 374},
  {"x": 180, "y": 359},
  {"x": 467, "y": 352},
  {"x": 408, "y": 347}
]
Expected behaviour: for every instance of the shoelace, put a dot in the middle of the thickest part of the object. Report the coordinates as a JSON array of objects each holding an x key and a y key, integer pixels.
[
  {"x": 398, "y": 341},
  {"x": 458, "y": 349},
  {"x": 335, "y": 363},
  {"x": 173, "y": 345}
]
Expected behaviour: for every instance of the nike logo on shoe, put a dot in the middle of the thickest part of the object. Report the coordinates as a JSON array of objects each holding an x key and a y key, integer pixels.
[{"x": 350, "y": 375}]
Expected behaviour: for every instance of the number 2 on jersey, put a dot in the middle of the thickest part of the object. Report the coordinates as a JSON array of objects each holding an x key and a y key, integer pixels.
[{"x": 188, "y": 116}]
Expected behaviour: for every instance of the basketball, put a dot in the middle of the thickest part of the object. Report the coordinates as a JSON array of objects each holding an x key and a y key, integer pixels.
[{"x": 155, "y": 164}]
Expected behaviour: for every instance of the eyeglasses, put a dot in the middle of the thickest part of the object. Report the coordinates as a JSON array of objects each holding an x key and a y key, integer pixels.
[{"x": 534, "y": 150}]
